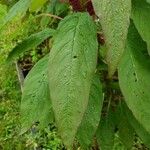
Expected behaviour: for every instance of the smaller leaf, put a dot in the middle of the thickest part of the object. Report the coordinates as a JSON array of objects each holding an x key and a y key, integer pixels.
[
  {"x": 36, "y": 104},
  {"x": 29, "y": 43},
  {"x": 19, "y": 8},
  {"x": 92, "y": 115},
  {"x": 105, "y": 133}
]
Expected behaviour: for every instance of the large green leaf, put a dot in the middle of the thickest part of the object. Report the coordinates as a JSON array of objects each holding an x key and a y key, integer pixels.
[
  {"x": 114, "y": 18},
  {"x": 92, "y": 115},
  {"x": 71, "y": 68},
  {"x": 29, "y": 43},
  {"x": 19, "y": 8},
  {"x": 140, "y": 16},
  {"x": 134, "y": 78},
  {"x": 142, "y": 133},
  {"x": 36, "y": 103},
  {"x": 105, "y": 133}
]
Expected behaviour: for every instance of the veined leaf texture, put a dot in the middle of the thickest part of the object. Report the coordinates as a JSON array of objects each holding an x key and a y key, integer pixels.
[{"x": 72, "y": 65}]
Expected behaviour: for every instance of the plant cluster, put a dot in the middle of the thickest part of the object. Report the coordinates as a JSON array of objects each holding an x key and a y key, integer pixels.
[{"x": 93, "y": 82}]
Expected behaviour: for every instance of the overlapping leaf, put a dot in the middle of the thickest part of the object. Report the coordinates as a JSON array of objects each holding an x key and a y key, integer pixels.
[
  {"x": 114, "y": 18},
  {"x": 126, "y": 131},
  {"x": 29, "y": 43},
  {"x": 36, "y": 104},
  {"x": 71, "y": 68},
  {"x": 105, "y": 133},
  {"x": 141, "y": 132},
  {"x": 92, "y": 115},
  {"x": 134, "y": 78},
  {"x": 140, "y": 16}
]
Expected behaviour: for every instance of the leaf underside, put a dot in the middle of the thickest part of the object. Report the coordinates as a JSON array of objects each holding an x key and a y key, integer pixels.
[{"x": 114, "y": 18}]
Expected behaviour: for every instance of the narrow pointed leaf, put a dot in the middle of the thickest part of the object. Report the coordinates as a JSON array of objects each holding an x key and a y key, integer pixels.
[
  {"x": 140, "y": 130},
  {"x": 114, "y": 18},
  {"x": 134, "y": 78},
  {"x": 29, "y": 43},
  {"x": 105, "y": 133},
  {"x": 71, "y": 68},
  {"x": 140, "y": 16},
  {"x": 19, "y": 8},
  {"x": 92, "y": 115},
  {"x": 36, "y": 104}
]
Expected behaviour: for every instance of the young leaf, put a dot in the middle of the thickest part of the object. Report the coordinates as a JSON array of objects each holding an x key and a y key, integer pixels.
[
  {"x": 29, "y": 43},
  {"x": 36, "y": 4},
  {"x": 134, "y": 78},
  {"x": 19, "y": 8},
  {"x": 36, "y": 103},
  {"x": 114, "y": 18},
  {"x": 92, "y": 115},
  {"x": 72, "y": 65},
  {"x": 105, "y": 133},
  {"x": 141, "y": 132},
  {"x": 140, "y": 15}
]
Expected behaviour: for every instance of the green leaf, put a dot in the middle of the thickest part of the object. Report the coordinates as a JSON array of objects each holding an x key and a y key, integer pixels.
[
  {"x": 105, "y": 133},
  {"x": 36, "y": 104},
  {"x": 29, "y": 43},
  {"x": 36, "y": 4},
  {"x": 140, "y": 15},
  {"x": 72, "y": 65},
  {"x": 19, "y": 8},
  {"x": 142, "y": 133},
  {"x": 114, "y": 18},
  {"x": 126, "y": 131},
  {"x": 134, "y": 78},
  {"x": 92, "y": 115}
]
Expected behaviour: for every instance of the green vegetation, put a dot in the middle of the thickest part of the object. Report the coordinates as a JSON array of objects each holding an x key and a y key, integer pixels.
[{"x": 74, "y": 75}]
